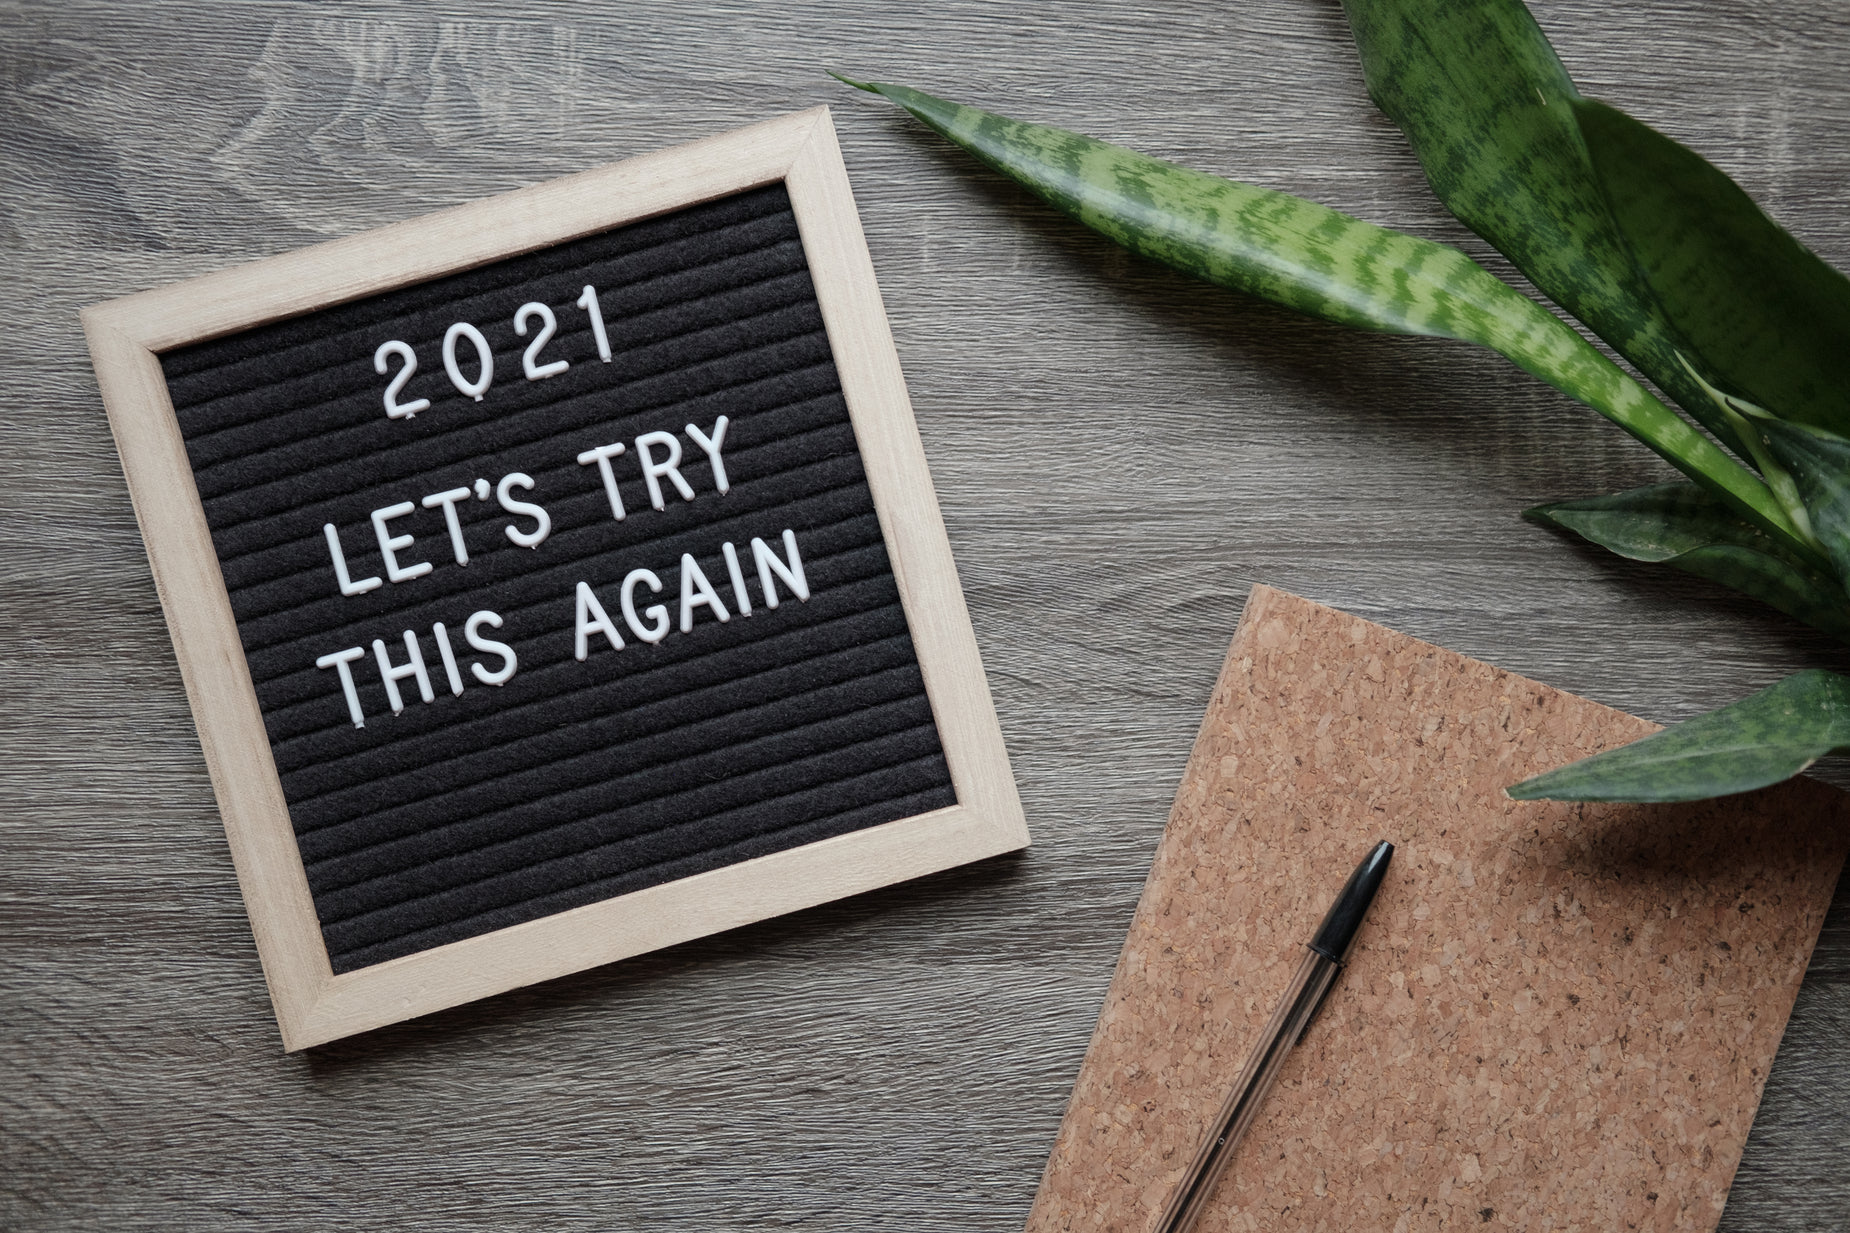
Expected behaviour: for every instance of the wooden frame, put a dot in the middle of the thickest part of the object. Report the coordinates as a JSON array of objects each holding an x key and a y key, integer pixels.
[{"x": 313, "y": 1005}]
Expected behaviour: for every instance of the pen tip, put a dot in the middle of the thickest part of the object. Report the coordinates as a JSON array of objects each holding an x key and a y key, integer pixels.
[{"x": 1344, "y": 919}]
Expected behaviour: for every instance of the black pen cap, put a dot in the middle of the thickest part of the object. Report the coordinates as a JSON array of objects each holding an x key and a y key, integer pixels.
[{"x": 1337, "y": 933}]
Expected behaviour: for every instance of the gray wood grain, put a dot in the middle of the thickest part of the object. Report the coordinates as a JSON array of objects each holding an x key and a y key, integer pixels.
[{"x": 1120, "y": 454}]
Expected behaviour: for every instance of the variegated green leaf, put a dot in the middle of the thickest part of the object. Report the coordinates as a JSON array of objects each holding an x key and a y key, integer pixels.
[
  {"x": 1681, "y": 525},
  {"x": 1490, "y": 112},
  {"x": 1819, "y": 464},
  {"x": 1330, "y": 265},
  {"x": 1763, "y": 315},
  {"x": 1760, "y": 740}
]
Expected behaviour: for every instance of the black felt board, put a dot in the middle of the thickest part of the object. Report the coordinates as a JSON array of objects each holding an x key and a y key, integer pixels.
[{"x": 575, "y": 781}]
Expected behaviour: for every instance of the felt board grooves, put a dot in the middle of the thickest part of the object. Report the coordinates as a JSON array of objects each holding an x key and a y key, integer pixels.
[{"x": 574, "y": 781}]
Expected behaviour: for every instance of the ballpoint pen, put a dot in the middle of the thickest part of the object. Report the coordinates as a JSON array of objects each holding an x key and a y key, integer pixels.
[{"x": 1324, "y": 957}]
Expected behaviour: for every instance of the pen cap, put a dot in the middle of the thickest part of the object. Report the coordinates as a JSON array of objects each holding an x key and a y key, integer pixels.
[{"x": 1340, "y": 923}]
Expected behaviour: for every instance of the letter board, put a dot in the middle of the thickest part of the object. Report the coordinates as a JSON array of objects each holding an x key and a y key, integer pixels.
[{"x": 556, "y": 578}]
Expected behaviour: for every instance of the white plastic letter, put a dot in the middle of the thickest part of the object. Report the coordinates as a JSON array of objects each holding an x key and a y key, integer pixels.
[
  {"x": 449, "y": 658},
  {"x": 489, "y": 646},
  {"x": 602, "y": 456},
  {"x": 652, "y": 471},
  {"x": 591, "y": 619},
  {"x": 549, "y": 325},
  {"x": 381, "y": 361},
  {"x": 339, "y": 660},
  {"x": 711, "y": 446},
  {"x": 768, "y": 564},
  {"x": 526, "y": 509},
  {"x": 692, "y": 579},
  {"x": 657, "y": 613},
  {"x": 347, "y": 585},
  {"x": 486, "y": 358},
  {"x": 588, "y": 302},
  {"x": 392, "y": 676},
  {"x": 739, "y": 593},
  {"x": 391, "y": 545},
  {"x": 448, "y": 501}
]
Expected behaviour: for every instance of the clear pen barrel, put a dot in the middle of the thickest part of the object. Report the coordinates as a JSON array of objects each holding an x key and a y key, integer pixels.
[{"x": 1294, "y": 1012}]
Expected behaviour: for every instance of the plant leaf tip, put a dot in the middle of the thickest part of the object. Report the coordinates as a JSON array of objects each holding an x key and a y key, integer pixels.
[{"x": 849, "y": 81}]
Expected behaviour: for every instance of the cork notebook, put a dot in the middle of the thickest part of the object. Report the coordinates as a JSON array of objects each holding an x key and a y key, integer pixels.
[{"x": 1556, "y": 1016}]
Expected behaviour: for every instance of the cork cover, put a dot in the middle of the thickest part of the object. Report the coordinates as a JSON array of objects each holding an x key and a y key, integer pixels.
[{"x": 1557, "y": 1016}]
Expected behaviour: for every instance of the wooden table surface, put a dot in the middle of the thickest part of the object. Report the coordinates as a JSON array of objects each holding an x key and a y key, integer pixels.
[{"x": 1120, "y": 454}]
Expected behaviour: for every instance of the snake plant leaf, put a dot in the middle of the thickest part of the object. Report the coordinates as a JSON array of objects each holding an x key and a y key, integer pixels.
[
  {"x": 1491, "y": 114},
  {"x": 1765, "y": 317},
  {"x": 1327, "y": 264},
  {"x": 1760, "y": 740},
  {"x": 1681, "y": 525},
  {"x": 1819, "y": 463}
]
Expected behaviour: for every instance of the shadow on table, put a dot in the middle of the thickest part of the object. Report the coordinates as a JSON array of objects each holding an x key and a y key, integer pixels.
[{"x": 843, "y": 926}]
